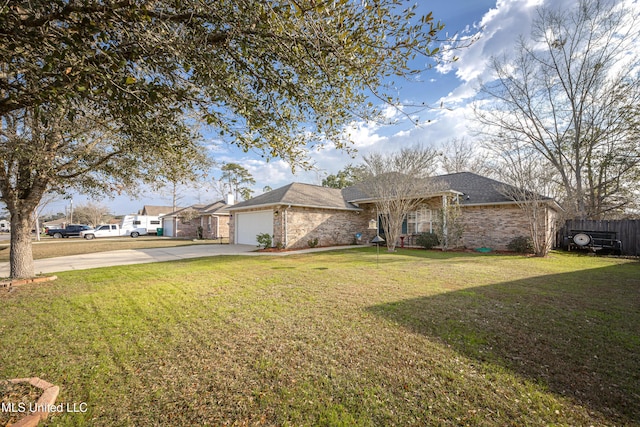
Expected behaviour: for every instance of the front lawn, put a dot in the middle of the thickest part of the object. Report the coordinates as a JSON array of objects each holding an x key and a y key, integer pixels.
[
  {"x": 49, "y": 247},
  {"x": 328, "y": 339}
]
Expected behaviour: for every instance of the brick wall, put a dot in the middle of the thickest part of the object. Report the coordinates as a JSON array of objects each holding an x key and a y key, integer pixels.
[
  {"x": 330, "y": 227},
  {"x": 215, "y": 227},
  {"x": 190, "y": 230},
  {"x": 484, "y": 226},
  {"x": 232, "y": 229},
  {"x": 492, "y": 226}
]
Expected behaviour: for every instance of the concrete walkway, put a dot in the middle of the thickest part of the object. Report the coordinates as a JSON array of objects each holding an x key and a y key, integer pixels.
[{"x": 143, "y": 256}]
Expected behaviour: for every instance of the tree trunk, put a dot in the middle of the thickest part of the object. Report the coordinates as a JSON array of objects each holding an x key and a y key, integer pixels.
[{"x": 21, "y": 256}]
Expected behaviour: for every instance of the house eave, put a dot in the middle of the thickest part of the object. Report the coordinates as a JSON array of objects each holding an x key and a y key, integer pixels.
[
  {"x": 297, "y": 205},
  {"x": 426, "y": 196},
  {"x": 509, "y": 202},
  {"x": 200, "y": 214}
]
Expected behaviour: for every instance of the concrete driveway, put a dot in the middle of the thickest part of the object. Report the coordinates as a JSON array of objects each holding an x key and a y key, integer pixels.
[{"x": 130, "y": 256}]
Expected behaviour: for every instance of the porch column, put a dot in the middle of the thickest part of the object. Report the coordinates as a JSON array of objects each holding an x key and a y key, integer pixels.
[{"x": 445, "y": 232}]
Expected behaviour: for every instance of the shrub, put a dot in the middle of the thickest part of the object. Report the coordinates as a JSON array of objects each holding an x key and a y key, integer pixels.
[
  {"x": 521, "y": 245},
  {"x": 313, "y": 243},
  {"x": 264, "y": 240},
  {"x": 427, "y": 240}
]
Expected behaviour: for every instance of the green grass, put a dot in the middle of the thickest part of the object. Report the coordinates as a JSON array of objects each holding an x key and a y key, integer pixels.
[
  {"x": 328, "y": 339},
  {"x": 49, "y": 247}
]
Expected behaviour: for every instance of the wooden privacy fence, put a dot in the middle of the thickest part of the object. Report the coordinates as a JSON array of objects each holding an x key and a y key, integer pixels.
[{"x": 628, "y": 232}]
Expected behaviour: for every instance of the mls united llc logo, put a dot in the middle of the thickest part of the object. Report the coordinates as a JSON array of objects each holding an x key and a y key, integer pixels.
[{"x": 22, "y": 407}]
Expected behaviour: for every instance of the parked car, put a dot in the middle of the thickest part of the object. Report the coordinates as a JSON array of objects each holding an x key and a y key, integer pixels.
[
  {"x": 112, "y": 230},
  {"x": 71, "y": 230}
]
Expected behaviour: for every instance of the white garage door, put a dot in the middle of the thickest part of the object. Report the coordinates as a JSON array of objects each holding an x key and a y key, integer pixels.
[
  {"x": 167, "y": 225},
  {"x": 250, "y": 224}
]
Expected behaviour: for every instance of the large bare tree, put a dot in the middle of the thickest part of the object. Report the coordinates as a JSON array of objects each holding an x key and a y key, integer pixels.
[
  {"x": 103, "y": 95},
  {"x": 91, "y": 213},
  {"x": 572, "y": 93},
  {"x": 533, "y": 185},
  {"x": 462, "y": 155},
  {"x": 397, "y": 184}
]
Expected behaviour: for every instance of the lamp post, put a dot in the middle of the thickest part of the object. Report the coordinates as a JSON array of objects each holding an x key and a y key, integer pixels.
[{"x": 373, "y": 225}]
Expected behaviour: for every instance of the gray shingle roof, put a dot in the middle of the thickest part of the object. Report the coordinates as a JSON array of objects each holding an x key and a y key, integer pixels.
[
  {"x": 215, "y": 207},
  {"x": 476, "y": 189},
  {"x": 298, "y": 194},
  {"x": 212, "y": 208}
]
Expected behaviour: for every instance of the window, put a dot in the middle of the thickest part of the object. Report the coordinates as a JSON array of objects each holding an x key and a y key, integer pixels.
[
  {"x": 419, "y": 221},
  {"x": 137, "y": 222},
  {"x": 154, "y": 222}
]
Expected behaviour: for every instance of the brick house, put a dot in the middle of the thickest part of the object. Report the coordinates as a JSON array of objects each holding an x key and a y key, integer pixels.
[
  {"x": 186, "y": 222},
  {"x": 297, "y": 214}
]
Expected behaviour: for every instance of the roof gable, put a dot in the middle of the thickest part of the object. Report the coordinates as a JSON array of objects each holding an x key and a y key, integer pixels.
[
  {"x": 215, "y": 208},
  {"x": 298, "y": 194},
  {"x": 155, "y": 210}
]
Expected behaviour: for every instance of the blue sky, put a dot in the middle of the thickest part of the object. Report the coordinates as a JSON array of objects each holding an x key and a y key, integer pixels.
[{"x": 453, "y": 85}]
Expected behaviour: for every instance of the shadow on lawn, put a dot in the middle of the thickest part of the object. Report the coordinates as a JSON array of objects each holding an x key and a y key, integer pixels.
[{"x": 577, "y": 333}]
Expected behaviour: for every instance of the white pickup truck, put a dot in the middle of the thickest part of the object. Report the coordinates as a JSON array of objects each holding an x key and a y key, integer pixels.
[{"x": 112, "y": 230}]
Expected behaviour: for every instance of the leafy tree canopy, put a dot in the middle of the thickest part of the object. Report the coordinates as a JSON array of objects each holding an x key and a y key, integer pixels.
[
  {"x": 269, "y": 75},
  {"x": 237, "y": 179},
  {"x": 101, "y": 95},
  {"x": 350, "y": 175}
]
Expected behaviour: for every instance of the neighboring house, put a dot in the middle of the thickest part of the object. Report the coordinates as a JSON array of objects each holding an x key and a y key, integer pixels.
[
  {"x": 185, "y": 222},
  {"x": 299, "y": 213},
  {"x": 156, "y": 210}
]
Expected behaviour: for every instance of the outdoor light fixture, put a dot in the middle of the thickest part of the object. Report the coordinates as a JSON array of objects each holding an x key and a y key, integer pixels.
[
  {"x": 372, "y": 224},
  {"x": 377, "y": 240}
]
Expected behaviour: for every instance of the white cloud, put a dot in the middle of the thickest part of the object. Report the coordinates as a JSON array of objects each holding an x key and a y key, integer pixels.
[
  {"x": 274, "y": 173},
  {"x": 500, "y": 28},
  {"x": 364, "y": 134},
  {"x": 216, "y": 147}
]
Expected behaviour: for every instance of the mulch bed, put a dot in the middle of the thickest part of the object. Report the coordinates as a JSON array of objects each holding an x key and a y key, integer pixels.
[{"x": 18, "y": 399}]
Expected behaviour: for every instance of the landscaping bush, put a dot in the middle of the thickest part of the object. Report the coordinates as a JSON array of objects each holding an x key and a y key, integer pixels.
[
  {"x": 313, "y": 243},
  {"x": 427, "y": 240},
  {"x": 521, "y": 245},
  {"x": 264, "y": 240}
]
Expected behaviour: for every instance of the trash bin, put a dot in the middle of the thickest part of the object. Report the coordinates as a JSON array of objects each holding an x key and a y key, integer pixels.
[{"x": 160, "y": 231}]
